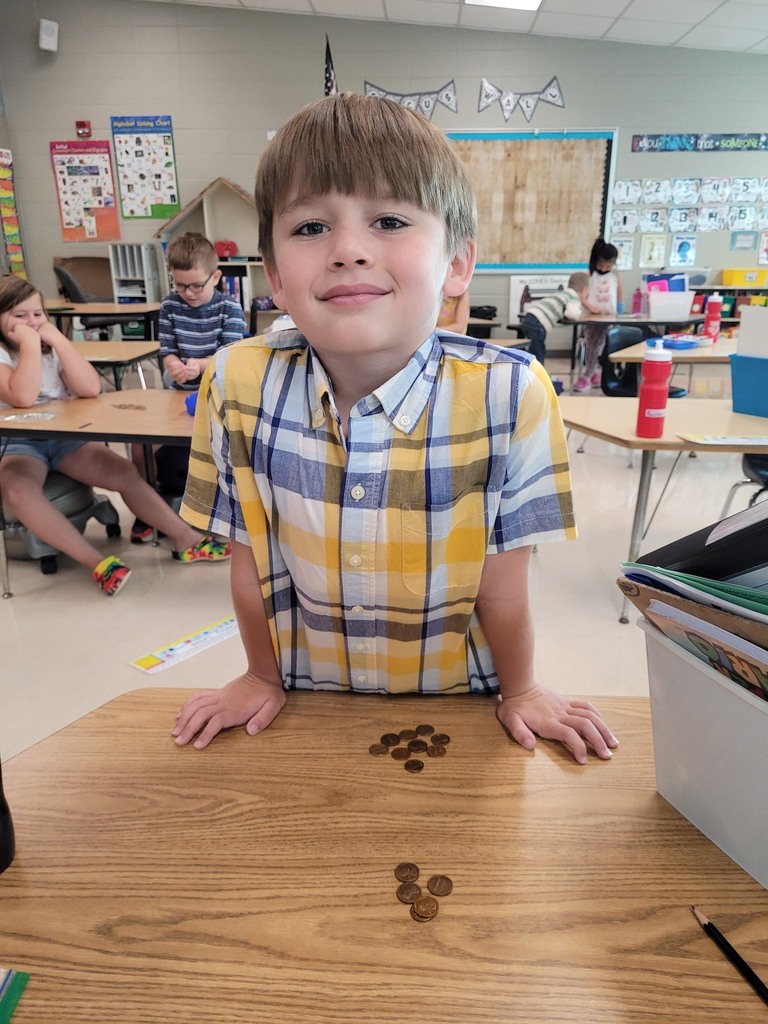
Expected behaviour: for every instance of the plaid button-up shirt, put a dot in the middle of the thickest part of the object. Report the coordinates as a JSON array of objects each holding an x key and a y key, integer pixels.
[{"x": 370, "y": 547}]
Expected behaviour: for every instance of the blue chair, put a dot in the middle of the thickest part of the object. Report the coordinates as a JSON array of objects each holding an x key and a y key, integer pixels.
[{"x": 755, "y": 470}]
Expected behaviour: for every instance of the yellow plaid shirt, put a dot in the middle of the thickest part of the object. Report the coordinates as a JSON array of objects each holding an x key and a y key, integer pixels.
[{"x": 370, "y": 547}]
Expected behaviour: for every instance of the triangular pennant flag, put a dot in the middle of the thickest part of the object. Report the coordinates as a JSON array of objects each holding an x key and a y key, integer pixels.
[
  {"x": 427, "y": 103},
  {"x": 447, "y": 96},
  {"x": 330, "y": 74},
  {"x": 488, "y": 94},
  {"x": 396, "y": 97},
  {"x": 551, "y": 93},
  {"x": 508, "y": 102},
  {"x": 528, "y": 103},
  {"x": 412, "y": 101},
  {"x": 373, "y": 90}
]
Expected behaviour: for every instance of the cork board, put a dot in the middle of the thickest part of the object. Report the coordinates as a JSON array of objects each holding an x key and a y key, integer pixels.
[{"x": 541, "y": 196}]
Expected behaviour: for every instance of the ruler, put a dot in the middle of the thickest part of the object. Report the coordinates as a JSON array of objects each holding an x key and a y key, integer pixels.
[{"x": 186, "y": 646}]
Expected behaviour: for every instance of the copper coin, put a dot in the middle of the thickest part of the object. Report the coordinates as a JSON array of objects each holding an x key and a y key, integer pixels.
[
  {"x": 417, "y": 746},
  {"x": 390, "y": 739},
  {"x": 400, "y": 753},
  {"x": 424, "y": 730},
  {"x": 434, "y": 750},
  {"x": 408, "y": 892},
  {"x": 407, "y": 734},
  {"x": 414, "y": 765},
  {"x": 440, "y": 885},
  {"x": 440, "y": 739},
  {"x": 424, "y": 908},
  {"x": 406, "y": 872},
  {"x": 378, "y": 749}
]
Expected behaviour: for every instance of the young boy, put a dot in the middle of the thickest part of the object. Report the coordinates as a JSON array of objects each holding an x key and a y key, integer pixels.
[
  {"x": 543, "y": 314},
  {"x": 382, "y": 483},
  {"x": 195, "y": 320}
]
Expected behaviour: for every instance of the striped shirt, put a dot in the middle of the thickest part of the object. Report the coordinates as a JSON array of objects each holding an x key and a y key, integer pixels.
[
  {"x": 551, "y": 308},
  {"x": 191, "y": 332},
  {"x": 370, "y": 547}
]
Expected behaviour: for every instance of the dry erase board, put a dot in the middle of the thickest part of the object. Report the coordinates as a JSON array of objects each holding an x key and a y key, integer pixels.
[{"x": 541, "y": 196}]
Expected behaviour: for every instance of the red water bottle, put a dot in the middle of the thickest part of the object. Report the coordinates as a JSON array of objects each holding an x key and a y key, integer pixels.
[
  {"x": 654, "y": 391},
  {"x": 712, "y": 313},
  {"x": 637, "y": 301}
]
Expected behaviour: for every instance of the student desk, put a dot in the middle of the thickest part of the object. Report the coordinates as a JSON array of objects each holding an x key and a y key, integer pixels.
[
  {"x": 117, "y": 356},
  {"x": 253, "y": 881},
  {"x": 148, "y": 312},
  {"x": 133, "y": 416},
  {"x": 614, "y": 420},
  {"x": 646, "y": 323},
  {"x": 708, "y": 355}
]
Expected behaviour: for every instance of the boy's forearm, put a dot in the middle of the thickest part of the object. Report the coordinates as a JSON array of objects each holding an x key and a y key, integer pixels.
[
  {"x": 252, "y": 616},
  {"x": 504, "y": 612}
]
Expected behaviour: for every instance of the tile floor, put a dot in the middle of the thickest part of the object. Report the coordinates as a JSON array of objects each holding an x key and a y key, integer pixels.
[{"x": 66, "y": 649}]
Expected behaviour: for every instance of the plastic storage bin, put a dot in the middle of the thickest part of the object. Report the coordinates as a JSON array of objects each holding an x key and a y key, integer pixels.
[
  {"x": 745, "y": 277},
  {"x": 749, "y": 384}
]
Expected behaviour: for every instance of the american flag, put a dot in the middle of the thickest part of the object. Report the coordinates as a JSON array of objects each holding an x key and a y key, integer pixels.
[{"x": 330, "y": 75}]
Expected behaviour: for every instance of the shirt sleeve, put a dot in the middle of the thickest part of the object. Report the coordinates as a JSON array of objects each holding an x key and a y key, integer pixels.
[
  {"x": 233, "y": 328},
  {"x": 165, "y": 331}
]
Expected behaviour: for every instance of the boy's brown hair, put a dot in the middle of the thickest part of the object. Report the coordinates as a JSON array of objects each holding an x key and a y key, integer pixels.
[
  {"x": 192, "y": 250},
  {"x": 364, "y": 146},
  {"x": 578, "y": 281}
]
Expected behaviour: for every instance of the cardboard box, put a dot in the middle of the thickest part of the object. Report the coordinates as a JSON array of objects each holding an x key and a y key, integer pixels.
[
  {"x": 709, "y": 741},
  {"x": 749, "y": 276},
  {"x": 749, "y": 385}
]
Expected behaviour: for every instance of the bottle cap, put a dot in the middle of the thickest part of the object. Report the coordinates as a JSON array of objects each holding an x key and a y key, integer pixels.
[{"x": 656, "y": 352}]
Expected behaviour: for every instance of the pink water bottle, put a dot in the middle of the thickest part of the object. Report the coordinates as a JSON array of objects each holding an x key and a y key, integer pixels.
[
  {"x": 637, "y": 301},
  {"x": 654, "y": 391},
  {"x": 712, "y": 313}
]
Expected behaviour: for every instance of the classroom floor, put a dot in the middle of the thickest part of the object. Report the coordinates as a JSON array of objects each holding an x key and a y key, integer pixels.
[{"x": 66, "y": 649}]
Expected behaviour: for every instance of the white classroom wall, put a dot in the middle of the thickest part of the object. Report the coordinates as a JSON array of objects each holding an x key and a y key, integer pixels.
[{"x": 229, "y": 76}]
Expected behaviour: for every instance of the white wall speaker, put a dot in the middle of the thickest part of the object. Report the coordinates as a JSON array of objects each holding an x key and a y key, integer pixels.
[{"x": 49, "y": 35}]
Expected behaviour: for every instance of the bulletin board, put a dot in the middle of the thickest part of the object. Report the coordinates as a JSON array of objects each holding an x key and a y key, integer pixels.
[{"x": 542, "y": 196}]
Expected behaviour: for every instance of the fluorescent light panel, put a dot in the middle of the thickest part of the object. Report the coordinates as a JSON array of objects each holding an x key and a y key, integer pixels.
[{"x": 508, "y": 5}]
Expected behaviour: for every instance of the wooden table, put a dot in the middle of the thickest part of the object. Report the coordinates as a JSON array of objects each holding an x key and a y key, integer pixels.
[
  {"x": 615, "y": 419},
  {"x": 253, "y": 882},
  {"x": 118, "y": 355},
  {"x": 146, "y": 311},
  {"x": 720, "y": 352}
]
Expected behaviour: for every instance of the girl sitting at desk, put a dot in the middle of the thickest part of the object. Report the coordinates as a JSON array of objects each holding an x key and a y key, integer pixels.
[{"x": 38, "y": 364}]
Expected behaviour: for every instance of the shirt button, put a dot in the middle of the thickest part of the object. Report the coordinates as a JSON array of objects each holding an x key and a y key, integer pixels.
[
  {"x": 405, "y": 421},
  {"x": 361, "y": 680},
  {"x": 357, "y": 492},
  {"x": 318, "y": 417},
  {"x": 357, "y": 609},
  {"x": 361, "y": 647},
  {"x": 355, "y": 561}
]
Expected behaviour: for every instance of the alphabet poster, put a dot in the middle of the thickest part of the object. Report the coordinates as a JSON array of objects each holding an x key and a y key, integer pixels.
[
  {"x": 146, "y": 167},
  {"x": 9, "y": 217},
  {"x": 85, "y": 186}
]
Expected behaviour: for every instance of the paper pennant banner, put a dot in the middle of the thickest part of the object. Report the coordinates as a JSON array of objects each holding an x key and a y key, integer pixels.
[
  {"x": 424, "y": 102},
  {"x": 488, "y": 95},
  {"x": 527, "y": 101},
  {"x": 551, "y": 93}
]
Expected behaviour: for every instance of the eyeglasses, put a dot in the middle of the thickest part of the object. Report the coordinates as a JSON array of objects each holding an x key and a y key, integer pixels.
[{"x": 193, "y": 289}]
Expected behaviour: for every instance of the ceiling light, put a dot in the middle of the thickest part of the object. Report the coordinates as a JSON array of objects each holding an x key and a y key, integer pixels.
[{"x": 508, "y": 5}]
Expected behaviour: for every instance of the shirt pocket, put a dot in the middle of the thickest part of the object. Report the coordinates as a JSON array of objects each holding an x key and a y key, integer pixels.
[{"x": 443, "y": 547}]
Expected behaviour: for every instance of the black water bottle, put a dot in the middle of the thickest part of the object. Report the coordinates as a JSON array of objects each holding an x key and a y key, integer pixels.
[{"x": 7, "y": 842}]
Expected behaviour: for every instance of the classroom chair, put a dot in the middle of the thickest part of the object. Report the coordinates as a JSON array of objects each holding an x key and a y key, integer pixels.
[
  {"x": 755, "y": 469},
  {"x": 77, "y": 501},
  {"x": 72, "y": 290},
  {"x": 622, "y": 380}
]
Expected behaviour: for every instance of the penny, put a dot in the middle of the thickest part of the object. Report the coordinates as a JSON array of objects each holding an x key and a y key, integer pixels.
[
  {"x": 400, "y": 753},
  {"x": 378, "y": 749},
  {"x": 390, "y": 739},
  {"x": 440, "y": 885},
  {"x": 434, "y": 750},
  {"x": 414, "y": 765},
  {"x": 408, "y": 892},
  {"x": 424, "y": 908},
  {"x": 407, "y": 734},
  {"x": 424, "y": 730},
  {"x": 417, "y": 746},
  {"x": 440, "y": 739},
  {"x": 406, "y": 872}
]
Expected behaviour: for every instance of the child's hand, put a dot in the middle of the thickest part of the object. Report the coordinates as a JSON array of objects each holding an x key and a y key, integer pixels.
[
  {"x": 540, "y": 712},
  {"x": 22, "y": 333},
  {"x": 194, "y": 369},
  {"x": 247, "y": 701},
  {"x": 178, "y": 372},
  {"x": 50, "y": 334}
]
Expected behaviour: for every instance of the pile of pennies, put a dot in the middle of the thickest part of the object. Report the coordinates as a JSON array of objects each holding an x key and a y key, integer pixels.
[
  {"x": 419, "y": 741},
  {"x": 423, "y": 907}
]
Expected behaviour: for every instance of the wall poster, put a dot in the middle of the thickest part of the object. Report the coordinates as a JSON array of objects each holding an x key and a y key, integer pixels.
[
  {"x": 146, "y": 167},
  {"x": 85, "y": 186},
  {"x": 9, "y": 217}
]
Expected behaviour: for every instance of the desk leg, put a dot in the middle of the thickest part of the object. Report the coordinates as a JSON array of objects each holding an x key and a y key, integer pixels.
[
  {"x": 638, "y": 523},
  {"x": 149, "y": 469},
  {"x": 4, "y": 561}
]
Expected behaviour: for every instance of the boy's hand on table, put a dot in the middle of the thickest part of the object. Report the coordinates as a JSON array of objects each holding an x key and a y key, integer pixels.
[
  {"x": 574, "y": 723},
  {"x": 247, "y": 701}
]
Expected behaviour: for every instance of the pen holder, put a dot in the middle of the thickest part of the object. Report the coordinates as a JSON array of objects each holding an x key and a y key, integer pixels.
[{"x": 191, "y": 403}]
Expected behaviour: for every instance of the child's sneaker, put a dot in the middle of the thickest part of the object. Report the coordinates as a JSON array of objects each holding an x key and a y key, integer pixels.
[
  {"x": 207, "y": 549},
  {"x": 111, "y": 574},
  {"x": 582, "y": 384},
  {"x": 141, "y": 532},
  {"x": 597, "y": 379}
]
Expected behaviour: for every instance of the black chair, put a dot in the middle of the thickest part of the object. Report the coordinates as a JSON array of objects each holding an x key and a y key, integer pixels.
[
  {"x": 72, "y": 291},
  {"x": 755, "y": 469},
  {"x": 622, "y": 380}
]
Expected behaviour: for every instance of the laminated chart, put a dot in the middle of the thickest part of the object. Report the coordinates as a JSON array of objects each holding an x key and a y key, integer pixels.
[{"x": 9, "y": 216}]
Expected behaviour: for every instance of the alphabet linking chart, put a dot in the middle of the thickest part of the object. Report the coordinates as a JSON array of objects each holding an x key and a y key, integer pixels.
[{"x": 186, "y": 646}]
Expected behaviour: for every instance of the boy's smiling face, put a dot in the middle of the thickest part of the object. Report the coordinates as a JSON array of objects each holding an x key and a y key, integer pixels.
[{"x": 364, "y": 276}]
